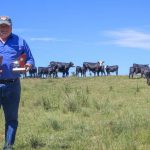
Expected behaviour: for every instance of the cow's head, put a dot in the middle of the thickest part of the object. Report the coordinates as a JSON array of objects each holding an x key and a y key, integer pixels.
[
  {"x": 71, "y": 64},
  {"x": 101, "y": 62}
]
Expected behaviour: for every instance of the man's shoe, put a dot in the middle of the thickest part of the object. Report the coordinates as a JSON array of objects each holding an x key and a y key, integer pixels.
[{"x": 7, "y": 147}]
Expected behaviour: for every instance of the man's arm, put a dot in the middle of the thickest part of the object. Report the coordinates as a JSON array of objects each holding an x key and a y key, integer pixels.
[{"x": 29, "y": 58}]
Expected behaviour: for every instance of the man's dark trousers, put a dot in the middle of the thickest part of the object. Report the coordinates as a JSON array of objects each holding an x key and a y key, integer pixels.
[{"x": 9, "y": 100}]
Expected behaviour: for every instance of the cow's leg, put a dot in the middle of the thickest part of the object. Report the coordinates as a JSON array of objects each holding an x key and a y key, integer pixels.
[
  {"x": 77, "y": 73},
  {"x": 39, "y": 75},
  {"x": 142, "y": 75},
  {"x": 67, "y": 73},
  {"x": 148, "y": 81},
  {"x": 132, "y": 75},
  {"x": 97, "y": 73},
  {"x": 129, "y": 75},
  {"x": 117, "y": 73},
  {"x": 84, "y": 74},
  {"x": 63, "y": 74},
  {"x": 54, "y": 74},
  {"x": 103, "y": 73},
  {"x": 50, "y": 75}
]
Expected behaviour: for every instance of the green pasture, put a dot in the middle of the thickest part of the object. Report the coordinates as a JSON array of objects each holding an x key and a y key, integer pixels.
[{"x": 92, "y": 113}]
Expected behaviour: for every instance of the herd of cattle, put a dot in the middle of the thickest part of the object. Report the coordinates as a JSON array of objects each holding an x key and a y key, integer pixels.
[
  {"x": 60, "y": 67},
  {"x": 96, "y": 68}
]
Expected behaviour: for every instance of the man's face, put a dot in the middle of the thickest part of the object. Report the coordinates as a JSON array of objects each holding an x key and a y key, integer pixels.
[{"x": 5, "y": 30}]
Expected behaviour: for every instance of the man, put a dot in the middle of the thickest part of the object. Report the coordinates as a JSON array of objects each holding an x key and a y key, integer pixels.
[{"x": 11, "y": 48}]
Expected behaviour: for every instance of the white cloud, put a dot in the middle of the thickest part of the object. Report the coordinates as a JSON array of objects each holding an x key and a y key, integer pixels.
[
  {"x": 39, "y": 38},
  {"x": 46, "y": 39},
  {"x": 21, "y": 30},
  {"x": 129, "y": 38},
  {"x": 49, "y": 39}
]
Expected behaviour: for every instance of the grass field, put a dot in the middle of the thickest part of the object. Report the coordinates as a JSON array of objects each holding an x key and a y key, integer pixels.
[{"x": 93, "y": 113}]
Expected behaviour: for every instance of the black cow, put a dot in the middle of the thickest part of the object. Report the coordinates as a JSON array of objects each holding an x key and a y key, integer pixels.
[
  {"x": 112, "y": 69},
  {"x": 52, "y": 71},
  {"x": 61, "y": 67},
  {"x": 81, "y": 70},
  {"x": 94, "y": 67},
  {"x": 43, "y": 72},
  {"x": 147, "y": 75},
  {"x": 138, "y": 68},
  {"x": 33, "y": 72}
]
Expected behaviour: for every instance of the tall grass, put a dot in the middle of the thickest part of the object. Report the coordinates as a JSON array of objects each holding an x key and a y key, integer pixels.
[{"x": 93, "y": 113}]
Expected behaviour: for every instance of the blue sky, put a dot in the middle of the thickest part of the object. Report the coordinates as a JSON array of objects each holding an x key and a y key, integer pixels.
[{"x": 116, "y": 31}]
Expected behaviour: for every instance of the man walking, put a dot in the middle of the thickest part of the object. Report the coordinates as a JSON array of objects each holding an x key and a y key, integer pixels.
[{"x": 11, "y": 48}]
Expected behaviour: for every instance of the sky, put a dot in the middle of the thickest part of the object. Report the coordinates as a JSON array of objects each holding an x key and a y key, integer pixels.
[{"x": 115, "y": 31}]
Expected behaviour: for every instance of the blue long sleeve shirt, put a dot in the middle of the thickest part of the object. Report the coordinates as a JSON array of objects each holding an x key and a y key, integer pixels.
[{"x": 11, "y": 50}]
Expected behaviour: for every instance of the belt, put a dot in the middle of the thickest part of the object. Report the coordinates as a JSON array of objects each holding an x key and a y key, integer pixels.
[{"x": 4, "y": 81}]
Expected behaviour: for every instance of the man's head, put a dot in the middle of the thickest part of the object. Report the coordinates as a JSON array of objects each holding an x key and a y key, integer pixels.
[{"x": 5, "y": 27}]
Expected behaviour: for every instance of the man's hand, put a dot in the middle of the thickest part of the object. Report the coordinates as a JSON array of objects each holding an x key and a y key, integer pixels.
[{"x": 28, "y": 67}]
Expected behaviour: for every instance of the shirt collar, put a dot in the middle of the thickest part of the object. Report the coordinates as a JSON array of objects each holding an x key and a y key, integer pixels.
[{"x": 10, "y": 36}]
